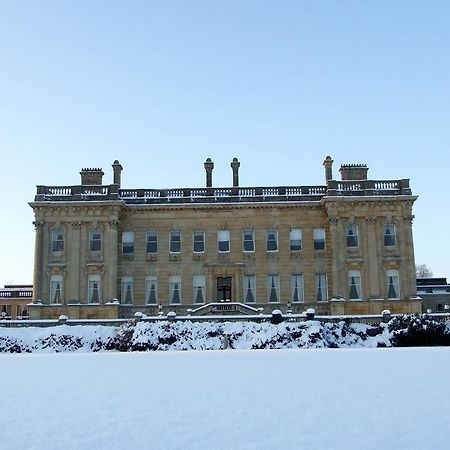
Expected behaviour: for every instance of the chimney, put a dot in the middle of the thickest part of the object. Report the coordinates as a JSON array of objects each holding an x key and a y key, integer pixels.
[
  {"x": 92, "y": 177},
  {"x": 353, "y": 172},
  {"x": 328, "y": 164},
  {"x": 209, "y": 166},
  {"x": 235, "y": 164},
  {"x": 117, "y": 170}
]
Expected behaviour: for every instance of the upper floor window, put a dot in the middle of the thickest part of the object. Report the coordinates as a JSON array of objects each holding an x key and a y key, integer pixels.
[
  {"x": 175, "y": 289},
  {"x": 198, "y": 283},
  {"x": 128, "y": 242},
  {"x": 393, "y": 284},
  {"x": 272, "y": 240},
  {"x": 199, "y": 241},
  {"x": 297, "y": 287},
  {"x": 273, "y": 288},
  {"x": 295, "y": 238},
  {"x": 248, "y": 241},
  {"x": 151, "y": 290},
  {"x": 95, "y": 240},
  {"x": 175, "y": 241},
  {"x": 249, "y": 289},
  {"x": 223, "y": 240},
  {"x": 127, "y": 290},
  {"x": 319, "y": 238},
  {"x": 57, "y": 240},
  {"x": 151, "y": 244},
  {"x": 56, "y": 293},
  {"x": 94, "y": 294},
  {"x": 321, "y": 287},
  {"x": 352, "y": 235},
  {"x": 354, "y": 285},
  {"x": 389, "y": 235}
]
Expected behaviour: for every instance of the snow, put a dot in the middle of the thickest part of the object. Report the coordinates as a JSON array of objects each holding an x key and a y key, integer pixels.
[{"x": 227, "y": 399}]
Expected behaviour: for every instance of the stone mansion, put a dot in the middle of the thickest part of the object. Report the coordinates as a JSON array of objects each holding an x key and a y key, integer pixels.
[{"x": 343, "y": 247}]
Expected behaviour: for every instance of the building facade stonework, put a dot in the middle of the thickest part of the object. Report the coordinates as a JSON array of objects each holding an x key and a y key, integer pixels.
[{"x": 344, "y": 247}]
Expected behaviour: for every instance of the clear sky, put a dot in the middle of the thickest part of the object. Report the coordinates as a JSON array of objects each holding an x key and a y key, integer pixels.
[{"x": 162, "y": 85}]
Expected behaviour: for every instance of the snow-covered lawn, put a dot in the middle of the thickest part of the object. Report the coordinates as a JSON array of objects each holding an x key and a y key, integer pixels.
[{"x": 229, "y": 399}]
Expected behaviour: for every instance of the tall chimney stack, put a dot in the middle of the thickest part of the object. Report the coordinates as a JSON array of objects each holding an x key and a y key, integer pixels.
[
  {"x": 328, "y": 164},
  {"x": 235, "y": 164},
  {"x": 209, "y": 166},
  {"x": 117, "y": 169}
]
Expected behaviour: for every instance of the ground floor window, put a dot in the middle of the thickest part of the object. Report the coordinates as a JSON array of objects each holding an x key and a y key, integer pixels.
[
  {"x": 199, "y": 283},
  {"x": 249, "y": 289},
  {"x": 354, "y": 285},
  {"x": 151, "y": 290},
  {"x": 393, "y": 285},
  {"x": 127, "y": 290},
  {"x": 273, "y": 288},
  {"x": 321, "y": 287},
  {"x": 56, "y": 289},
  {"x": 94, "y": 294},
  {"x": 297, "y": 287},
  {"x": 175, "y": 289}
]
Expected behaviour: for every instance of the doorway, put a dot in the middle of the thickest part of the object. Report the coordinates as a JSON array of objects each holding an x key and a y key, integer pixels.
[{"x": 224, "y": 285}]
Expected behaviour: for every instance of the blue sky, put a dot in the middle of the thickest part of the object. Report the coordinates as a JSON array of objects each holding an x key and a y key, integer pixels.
[{"x": 163, "y": 85}]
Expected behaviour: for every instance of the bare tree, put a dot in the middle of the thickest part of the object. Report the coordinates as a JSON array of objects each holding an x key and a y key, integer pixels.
[{"x": 422, "y": 271}]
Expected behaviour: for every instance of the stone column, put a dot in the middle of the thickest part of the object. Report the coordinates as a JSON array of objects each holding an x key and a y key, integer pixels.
[
  {"x": 338, "y": 285},
  {"x": 235, "y": 164},
  {"x": 408, "y": 269},
  {"x": 38, "y": 260},
  {"x": 209, "y": 166},
  {"x": 374, "y": 266},
  {"x": 111, "y": 263},
  {"x": 74, "y": 264}
]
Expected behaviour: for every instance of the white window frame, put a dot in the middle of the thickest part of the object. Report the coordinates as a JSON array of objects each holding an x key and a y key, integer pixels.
[
  {"x": 273, "y": 288},
  {"x": 297, "y": 283},
  {"x": 203, "y": 244},
  {"x": 249, "y": 286},
  {"x": 352, "y": 233},
  {"x": 95, "y": 240},
  {"x": 127, "y": 287},
  {"x": 295, "y": 239},
  {"x": 354, "y": 285},
  {"x": 154, "y": 235},
  {"x": 392, "y": 282},
  {"x": 321, "y": 287},
  {"x": 174, "y": 283},
  {"x": 223, "y": 237},
  {"x": 150, "y": 281},
  {"x": 271, "y": 237},
  {"x": 127, "y": 242},
  {"x": 198, "y": 286},
  {"x": 57, "y": 240},
  {"x": 245, "y": 234},
  {"x": 94, "y": 283},
  {"x": 389, "y": 233},
  {"x": 56, "y": 290},
  {"x": 319, "y": 239},
  {"x": 173, "y": 242}
]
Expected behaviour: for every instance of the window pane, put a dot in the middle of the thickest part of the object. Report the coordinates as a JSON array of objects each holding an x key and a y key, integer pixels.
[
  {"x": 273, "y": 288},
  {"x": 248, "y": 243},
  {"x": 272, "y": 240},
  {"x": 199, "y": 241},
  {"x": 175, "y": 289},
  {"x": 319, "y": 238},
  {"x": 389, "y": 235},
  {"x": 321, "y": 287},
  {"x": 297, "y": 287},
  {"x": 352, "y": 235},
  {"x": 151, "y": 290},
  {"x": 249, "y": 289},
  {"x": 57, "y": 240},
  {"x": 354, "y": 282},
  {"x": 127, "y": 242},
  {"x": 127, "y": 290},
  {"x": 152, "y": 242},
  {"x": 223, "y": 240},
  {"x": 94, "y": 289},
  {"x": 295, "y": 236},
  {"x": 393, "y": 284},
  {"x": 175, "y": 242},
  {"x": 95, "y": 240},
  {"x": 56, "y": 289},
  {"x": 198, "y": 283}
]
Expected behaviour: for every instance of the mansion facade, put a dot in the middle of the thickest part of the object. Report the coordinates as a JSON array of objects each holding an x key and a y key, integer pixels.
[{"x": 344, "y": 247}]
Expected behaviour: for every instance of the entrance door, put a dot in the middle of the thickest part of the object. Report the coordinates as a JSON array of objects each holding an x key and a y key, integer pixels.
[{"x": 224, "y": 285}]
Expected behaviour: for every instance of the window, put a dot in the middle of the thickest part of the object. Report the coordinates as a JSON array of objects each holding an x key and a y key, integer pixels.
[
  {"x": 57, "y": 240},
  {"x": 249, "y": 289},
  {"x": 272, "y": 240},
  {"x": 151, "y": 244},
  {"x": 319, "y": 238},
  {"x": 321, "y": 287},
  {"x": 151, "y": 290},
  {"x": 273, "y": 288},
  {"x": 56, "y": 293},
  {"x": 198, "y": 283},
  {"x": 354, "y": 285},
  {"x": 295, "y": 237},
  {"x": 352, "y": 235},
  {"x": 175, "y": 241},
  {"x": 95, "y": 240},
  {"x": 127, "y": 242},
  {"x": 393, "y": 290},
  {"x": 223, "y": 240},
  {"x": 127, "y": 290},
  {"x": 175, "y": 289},
  {"x": 389, "y": 235},
  {"x": 199, "y": 241},
  {"x": 248, "y": 241},
  {"x": 94, "y": 294},
  {"x": 297, "y": 287}
]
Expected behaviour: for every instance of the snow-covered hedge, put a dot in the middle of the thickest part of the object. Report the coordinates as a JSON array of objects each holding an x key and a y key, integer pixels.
[{"x": 170, "y": 335}]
